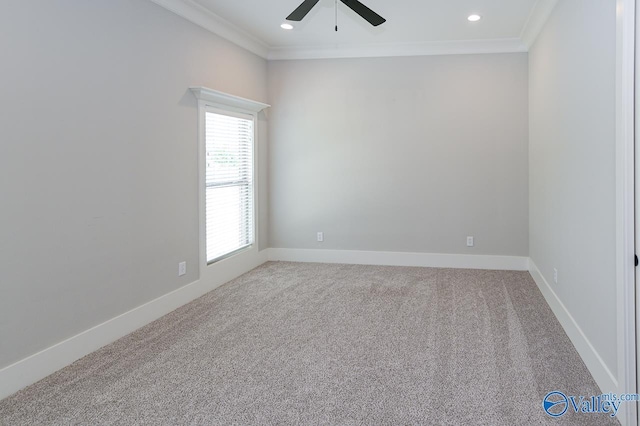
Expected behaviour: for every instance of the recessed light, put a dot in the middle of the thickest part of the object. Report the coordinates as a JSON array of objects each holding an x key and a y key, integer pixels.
[
  {"x": 286, "y": 26},
  {"x": 474, "y": 18}
]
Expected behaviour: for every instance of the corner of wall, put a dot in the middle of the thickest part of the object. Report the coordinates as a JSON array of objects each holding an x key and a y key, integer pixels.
[{"x": 605, "y": 379}]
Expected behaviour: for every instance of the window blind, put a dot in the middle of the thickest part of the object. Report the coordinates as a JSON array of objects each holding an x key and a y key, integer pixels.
[{"x": 229, "y": 184}]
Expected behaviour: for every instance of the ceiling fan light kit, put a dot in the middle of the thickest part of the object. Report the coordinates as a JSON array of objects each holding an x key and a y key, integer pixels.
[{"x": 367, "y": 14}]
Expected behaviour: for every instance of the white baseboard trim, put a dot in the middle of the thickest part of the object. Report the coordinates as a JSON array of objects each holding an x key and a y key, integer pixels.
[
  {"x": 462, "y": 261},
  {"x": 597, "y": 367},
  {"x": 38, "y": 366}
]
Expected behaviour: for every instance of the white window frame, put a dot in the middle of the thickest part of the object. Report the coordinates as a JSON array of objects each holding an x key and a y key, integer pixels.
[
  {"x": 254, "y": 212},
  {"x": 210, "y": 100}
]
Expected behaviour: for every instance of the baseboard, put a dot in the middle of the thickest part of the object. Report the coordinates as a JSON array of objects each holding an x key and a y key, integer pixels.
[
  {"x": 38, "y": 366},
  {"x": 598, "y": 369},
  {"x": 462, "y": 261}
]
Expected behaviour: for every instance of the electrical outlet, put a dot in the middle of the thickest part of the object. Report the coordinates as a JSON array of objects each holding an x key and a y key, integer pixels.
[
  {"x": 555, "y": 275},
  {"x": 320, "y": 237},
  {"x": 469, "y": 241},
  {"x": 182, "y": 268}
]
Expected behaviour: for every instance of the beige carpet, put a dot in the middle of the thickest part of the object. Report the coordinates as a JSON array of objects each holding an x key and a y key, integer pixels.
[{"x": 292, "y": 343}]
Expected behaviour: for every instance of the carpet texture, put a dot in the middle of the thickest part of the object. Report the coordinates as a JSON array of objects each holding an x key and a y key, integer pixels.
[{"x": 293, "y": 343}]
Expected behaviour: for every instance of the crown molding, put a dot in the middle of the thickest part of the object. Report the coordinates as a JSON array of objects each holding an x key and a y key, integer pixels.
[
  {"x": 208, "y": 20},
  {"x": 458, "y": 47},
  {"x": 199, "y": 15},
  {"x": 537, "y": 19}
]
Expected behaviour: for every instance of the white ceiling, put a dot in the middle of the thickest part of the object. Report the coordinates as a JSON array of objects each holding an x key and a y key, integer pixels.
[{"x": 413, "y": 27}]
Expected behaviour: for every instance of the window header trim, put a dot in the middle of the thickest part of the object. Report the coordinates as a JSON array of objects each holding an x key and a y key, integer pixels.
[{"x": 224, "y": 99}]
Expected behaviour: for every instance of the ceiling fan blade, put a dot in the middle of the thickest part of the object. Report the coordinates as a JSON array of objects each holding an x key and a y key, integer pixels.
[
  {"x": 302, "y": 10},
  {"x": 362, "y": 10}
]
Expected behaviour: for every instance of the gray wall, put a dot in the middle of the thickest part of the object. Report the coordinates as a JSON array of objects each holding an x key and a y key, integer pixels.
[
  {"x": 400, "y": 154},
  {"x": 98, "y": 159},
  {"x": 572, "y": 164}
]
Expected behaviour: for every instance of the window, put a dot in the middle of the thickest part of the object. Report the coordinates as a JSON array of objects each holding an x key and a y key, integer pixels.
[
  {"x": 228, "y": 183},
  {"x": 227, "y": 169}
]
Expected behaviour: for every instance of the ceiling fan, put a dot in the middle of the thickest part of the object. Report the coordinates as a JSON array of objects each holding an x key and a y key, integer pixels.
[{"x": 359, "y": 8}]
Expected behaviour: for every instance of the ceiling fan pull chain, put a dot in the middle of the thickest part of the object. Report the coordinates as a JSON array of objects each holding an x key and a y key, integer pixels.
[{"x": 336, "y": 15}]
